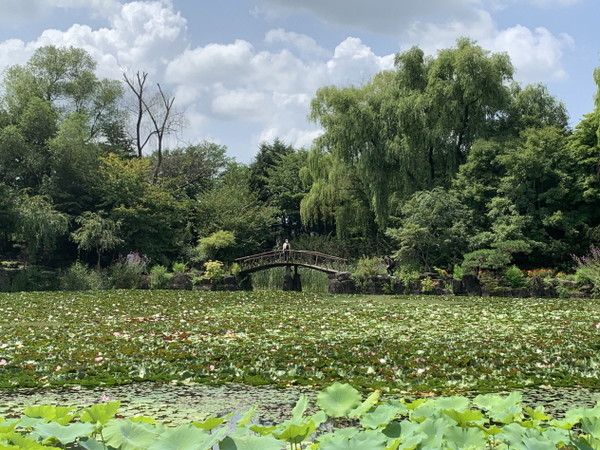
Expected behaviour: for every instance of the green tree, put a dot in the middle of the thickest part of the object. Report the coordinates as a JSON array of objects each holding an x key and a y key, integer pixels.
[
  {"x": 405, "y": 130},
  {"x": 433, "y": 231},
  {"x": 268, "y": 157},
  {"x": 210, "y": 247},
  {"x": 74, "y": 177},
  {"x": 152, "y": 218},
  {"x": 96, "y": 233},
  {"x": 232, "y": 207},
  {"x": 38, "y": 226},
  {"x": 193, "y": 169},
  {"x": 65, "y": 78}
]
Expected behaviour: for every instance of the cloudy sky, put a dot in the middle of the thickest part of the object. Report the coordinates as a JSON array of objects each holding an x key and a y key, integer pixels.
[{"x": 245, "y": 71}]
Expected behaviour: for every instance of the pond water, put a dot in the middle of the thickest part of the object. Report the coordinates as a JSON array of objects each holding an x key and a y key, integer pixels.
[{"x": 186, "y": 403}]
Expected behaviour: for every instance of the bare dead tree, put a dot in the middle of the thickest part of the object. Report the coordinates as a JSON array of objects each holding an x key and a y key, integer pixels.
[
  {"x": 137, "y": 87},
  {"x": 162, "y": 119},
  {"x": 162, "y": 122}
]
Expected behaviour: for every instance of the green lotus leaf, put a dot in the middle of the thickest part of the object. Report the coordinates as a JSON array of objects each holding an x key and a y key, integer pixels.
[
  {"x": 455, "y": 402},
  {"x": 380, "y": 417},
  {"x": 300, "y": 408},
  {"x": 338, "y": 399},
  {"x": 501, "y": 409},
  {"x": 91, "y": 444},
  {"x": 100, "y": 414},
  {"x": 464, "y": 418},
  {"x": 294, "y": 433},
  {"x": 58, "y": 414},
  {"x": 361, "y": 441},
  {"x": 183, "y": 437},
  {"x": 210, "y": 423},
  {"x": 591, "y": 426},
  {"x": 465, "y": 438},
  {"x": 128, "y": 435},
  {"x": 64, "y": 433},
  {"x": 251, "y": 443},
  {"x": 366, "y": 405}
]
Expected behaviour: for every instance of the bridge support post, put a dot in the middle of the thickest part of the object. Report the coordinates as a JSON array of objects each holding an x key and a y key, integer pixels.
[
  {"x": 296, "y": 281},
  {"x": 291, "y": 282}
]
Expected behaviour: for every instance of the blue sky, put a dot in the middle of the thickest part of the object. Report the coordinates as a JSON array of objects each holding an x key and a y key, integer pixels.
[{"x": 245, "y": 71}]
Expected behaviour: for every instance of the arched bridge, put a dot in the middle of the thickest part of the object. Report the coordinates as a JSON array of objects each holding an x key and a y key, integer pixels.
[{"x": 288, "y": 258}]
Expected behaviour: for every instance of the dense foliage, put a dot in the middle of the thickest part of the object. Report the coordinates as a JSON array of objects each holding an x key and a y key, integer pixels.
[
  {"x": 343, "y": 420},
  {"x": 398, "y": 344},
  {"x": 443, "y": 161}
]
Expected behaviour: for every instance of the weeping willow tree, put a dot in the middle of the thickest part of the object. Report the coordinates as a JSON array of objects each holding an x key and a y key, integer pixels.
[{"x": 406, "y": 130}]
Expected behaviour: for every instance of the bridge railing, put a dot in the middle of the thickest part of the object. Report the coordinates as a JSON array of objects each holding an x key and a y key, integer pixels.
[{"x": 292, "y": 257}]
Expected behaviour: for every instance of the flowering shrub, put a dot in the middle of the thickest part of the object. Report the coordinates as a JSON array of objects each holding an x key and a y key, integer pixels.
[{"x": 539, "y": 273}]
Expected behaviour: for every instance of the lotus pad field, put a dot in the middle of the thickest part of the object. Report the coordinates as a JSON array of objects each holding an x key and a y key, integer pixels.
[{"x": 399, "y": 344}]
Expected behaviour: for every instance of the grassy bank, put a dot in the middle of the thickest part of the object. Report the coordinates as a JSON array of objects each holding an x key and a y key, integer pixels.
[{"x": 418, "y": 344}]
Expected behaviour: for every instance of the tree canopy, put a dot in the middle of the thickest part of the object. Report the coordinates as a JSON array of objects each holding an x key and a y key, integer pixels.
[{"x": 443, "y": 161}]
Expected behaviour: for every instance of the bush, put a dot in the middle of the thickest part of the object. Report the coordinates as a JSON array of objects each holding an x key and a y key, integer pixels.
[
  {"x": 211, "y": 246},
  {"x": 588, "y": 268},
  {"x": 458, "y": 273},
  {"x": 408, "y": 274},
  {"x": 159, "y": 277},
  {"x": 127, "y": 275},
  {"x": 29, "y": 278},
  {"x": 235, "y": 269},
  {"x": 79, "y": 277},
  {"x": 367, "y": 268},
  {"x": 513, "y": 277},
  {"x": 179, "y": 267},
  {"x": 428, "y": 286},
  {"x": 213, "y": 271}
]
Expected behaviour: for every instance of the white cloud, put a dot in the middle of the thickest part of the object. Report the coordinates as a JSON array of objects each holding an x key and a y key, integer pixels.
[
  {"x": 142, "y": 36},
  {"x": 235, "y": 82},
  {"x": 224, "y": 63},
  {"x": 306, "y": 46},
  {"x": 537, "y": 55},
  {"x": 353, "y": 62},
  {"x": 241, "y": 104}
]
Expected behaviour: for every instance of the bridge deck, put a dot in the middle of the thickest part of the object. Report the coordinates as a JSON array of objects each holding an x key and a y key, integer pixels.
[{"x": 313, "y": 260}]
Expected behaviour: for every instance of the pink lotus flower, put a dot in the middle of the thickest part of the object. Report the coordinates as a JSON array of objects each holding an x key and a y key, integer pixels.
[
  {"x": 98, "y": 358},
  {"x": 3, "y": 362}
]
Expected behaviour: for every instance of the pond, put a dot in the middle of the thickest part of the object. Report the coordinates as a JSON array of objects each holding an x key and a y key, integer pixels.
[{"x": 178, "y": 404}]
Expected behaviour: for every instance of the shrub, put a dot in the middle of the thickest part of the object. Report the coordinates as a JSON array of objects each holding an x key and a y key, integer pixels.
[
  {"x": 235, "y": 269},
  {"x": 209, "y": 247},
  {"x": 588, "y": 268},
  {"x": 179, "y": 267},
  {"x": 213, "y": 271},
  {"x": 367, "y": 268},
  {"x": 79, "y": 277},
  {"x": 408, "y": 274},
  {"x": 159, "y": 277},
  {"x": 29, "y": 278},
  {"x": 513, "y": 277},
  {"x": 127, "y": 275},
  {"x": 428, "y": 286},
  {"x": 458, "y": 273}
]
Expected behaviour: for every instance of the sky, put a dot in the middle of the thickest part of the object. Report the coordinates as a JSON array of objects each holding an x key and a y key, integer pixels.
[{"x": 245, "y": 71}]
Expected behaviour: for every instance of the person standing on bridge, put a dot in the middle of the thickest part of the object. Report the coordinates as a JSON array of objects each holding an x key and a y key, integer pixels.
[{"x": 286, "y": 249}]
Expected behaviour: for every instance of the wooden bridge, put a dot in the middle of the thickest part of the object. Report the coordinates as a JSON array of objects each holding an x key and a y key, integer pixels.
[{"x": 291, "y": 258}]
